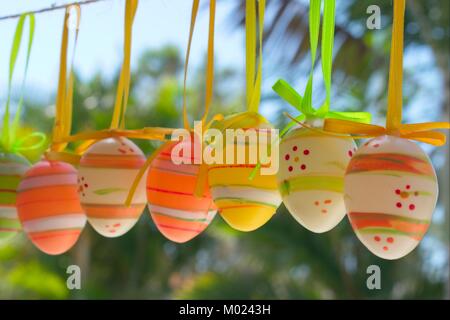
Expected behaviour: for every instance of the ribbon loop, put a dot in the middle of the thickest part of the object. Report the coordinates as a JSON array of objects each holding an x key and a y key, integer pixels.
[
  {"x": 64, "y": 98},
  {"x": 209, "y": 63},
  {"x": 304, "y": 104},
  {"x": 253, "y": 83},
  {"x": 8, "y": 138},
  {"x": 23, "y": 144},
  {"x": 123, "y": 88}
]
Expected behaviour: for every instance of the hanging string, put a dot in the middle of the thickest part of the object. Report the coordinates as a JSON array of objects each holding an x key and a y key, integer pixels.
[
  {"x": 423, "y": 132},
  {"x": 51, "y": 8}
]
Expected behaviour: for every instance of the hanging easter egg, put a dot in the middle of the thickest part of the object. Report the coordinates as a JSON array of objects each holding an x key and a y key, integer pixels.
[
  {"x": 171, "y": 182},
  {"x": 49, "y": 207},
  {"x": 107, "y": 171},
  {"x": 244, "y": 203},
  {"x": 12, "y": 168},
  {"x": 390, "y": 194},
  {"x": 311, "y": 177}
]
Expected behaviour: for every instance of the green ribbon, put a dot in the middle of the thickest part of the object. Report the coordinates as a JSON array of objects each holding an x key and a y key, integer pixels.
[
  {"x": 304, "y": 104},
  {"x": 9, "y": 141}
]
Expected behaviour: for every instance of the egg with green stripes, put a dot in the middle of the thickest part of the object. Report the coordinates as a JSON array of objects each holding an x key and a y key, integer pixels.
[
  {"x": 311, "y": 176},
  {"x": 391, "y": 191},
  {"x": 245, "y": 197},
  {"x": 106, "y": 173},
  {"x": 12, "y": 169}
]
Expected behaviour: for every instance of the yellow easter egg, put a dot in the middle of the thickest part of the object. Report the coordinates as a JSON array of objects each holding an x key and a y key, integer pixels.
[{"x": 245, "y": 204}]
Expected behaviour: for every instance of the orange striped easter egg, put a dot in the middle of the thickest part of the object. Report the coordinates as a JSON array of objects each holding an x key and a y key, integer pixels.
[
  {"x": 178, "y": 214},
  {"x": 107, "y": 171},
  {"x": 49, "y": 207},
  {"x": 391, "y": 191}
]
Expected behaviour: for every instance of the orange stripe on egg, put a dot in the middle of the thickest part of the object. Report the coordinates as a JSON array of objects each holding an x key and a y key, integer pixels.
[
  {"x": 112, "y": 161},
  {"x": 103, "y": 211}
]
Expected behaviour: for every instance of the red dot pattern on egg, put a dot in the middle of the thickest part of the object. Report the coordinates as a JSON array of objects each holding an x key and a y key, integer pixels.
[
  {"x": 389, "y": 240},
  {"x": 405, "y": 195},
  {"x": 288, "y": 157}
]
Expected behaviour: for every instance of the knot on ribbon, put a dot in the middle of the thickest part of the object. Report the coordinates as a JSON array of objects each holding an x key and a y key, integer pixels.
[
  {"x": 422, "y": 132},
  {"x": 308, "y": 113}
]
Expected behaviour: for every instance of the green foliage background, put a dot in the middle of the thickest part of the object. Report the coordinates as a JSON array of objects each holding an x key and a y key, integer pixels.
[{"x": 281, "y": 260}]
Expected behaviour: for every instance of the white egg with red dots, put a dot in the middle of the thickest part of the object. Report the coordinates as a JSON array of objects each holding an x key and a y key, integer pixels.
[
  {"x": 390, "y": 194},
  {"x": 311, "y": 176}
]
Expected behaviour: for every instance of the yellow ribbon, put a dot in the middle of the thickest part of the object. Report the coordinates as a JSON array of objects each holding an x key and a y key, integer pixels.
[
  {"x": 148, "y": 133},
  {"x": 201, "y": 178},
  {"x": 253, "y": 83},
  {"x": 63, "y": 117},
  {"x": 123, "y": 88},
  {"x": 423, "y": 132},
  {"x": 209, "y": 63}
]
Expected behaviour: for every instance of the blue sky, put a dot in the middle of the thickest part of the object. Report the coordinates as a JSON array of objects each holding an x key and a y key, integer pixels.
[{"x": 157, "y": 22}]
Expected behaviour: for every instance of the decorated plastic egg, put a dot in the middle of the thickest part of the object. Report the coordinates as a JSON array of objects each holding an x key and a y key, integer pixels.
[
  {"x": 12, "y": 168},
  {"x": 390, "y": 194},
  {"x": 311, "y": 177},
  {"x": 244, "y": 203},
  {"x": 107, "y": 171},
  {"x": 177, "y": 212},
  {"x": 49, "y": 207}
]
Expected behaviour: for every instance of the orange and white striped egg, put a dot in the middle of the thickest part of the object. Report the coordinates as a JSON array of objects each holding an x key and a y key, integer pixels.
[
  {"x": 105, "y": 175},
  {"x": 12, "y": 168},
  {"x": 49, "y": 207},
  {"x": 390, "y": 193},
  {"x": 178, "y": 214}
]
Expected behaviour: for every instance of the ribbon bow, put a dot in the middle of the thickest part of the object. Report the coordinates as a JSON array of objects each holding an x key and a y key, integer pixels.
[
  {"x": 423, "y": 132},
  {"x": 304, "y": 104},
  {"x": 9, "y": 140}
]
